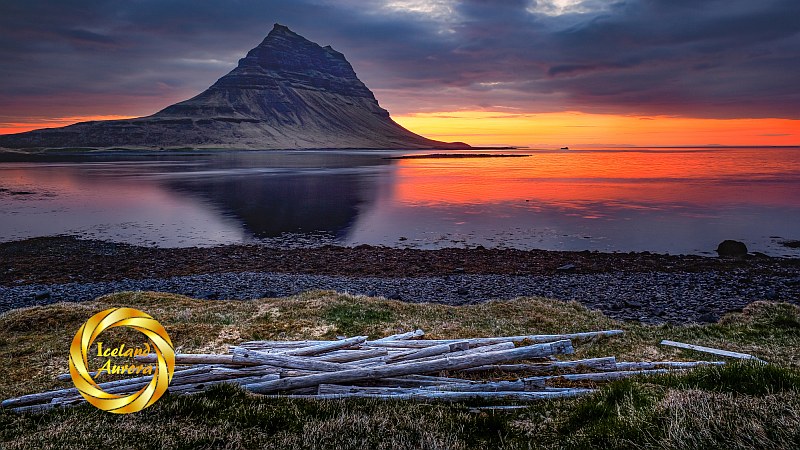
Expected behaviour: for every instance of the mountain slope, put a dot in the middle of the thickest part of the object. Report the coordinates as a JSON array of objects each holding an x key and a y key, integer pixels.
[{"x": 286, "y": 93}]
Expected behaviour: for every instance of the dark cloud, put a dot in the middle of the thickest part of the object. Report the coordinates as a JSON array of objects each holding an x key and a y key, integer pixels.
[{"x": 699, "y": 58}]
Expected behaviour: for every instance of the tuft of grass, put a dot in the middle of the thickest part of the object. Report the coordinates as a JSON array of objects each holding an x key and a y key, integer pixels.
[
  {"x": 622, "y": 413},
  {"x": 744, "y": 378},
  {"x": 349, "y": 319}
]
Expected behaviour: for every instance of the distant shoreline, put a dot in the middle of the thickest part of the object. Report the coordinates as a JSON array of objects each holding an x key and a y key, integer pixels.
[
  {"x": 455, "y": 156},
  {"x": 646, "y": 287},
  {"x": 33, "y": 155}
]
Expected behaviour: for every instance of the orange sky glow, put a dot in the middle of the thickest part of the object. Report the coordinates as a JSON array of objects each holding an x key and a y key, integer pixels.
[
  {"x": 52, "y": 122},
  {"x": 577, "y": 129},
  {"x": 556, "y": 129}
]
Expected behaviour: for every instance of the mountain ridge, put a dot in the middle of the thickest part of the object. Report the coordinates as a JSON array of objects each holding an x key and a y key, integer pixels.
[{"x": 286, "y": 93}]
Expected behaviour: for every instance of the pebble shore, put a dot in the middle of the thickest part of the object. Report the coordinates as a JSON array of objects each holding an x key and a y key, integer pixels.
[{"x": 652, "y": 297}]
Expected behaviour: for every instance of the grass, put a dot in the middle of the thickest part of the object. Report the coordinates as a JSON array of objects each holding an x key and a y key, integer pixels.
[{"x": 735, "y": 406}]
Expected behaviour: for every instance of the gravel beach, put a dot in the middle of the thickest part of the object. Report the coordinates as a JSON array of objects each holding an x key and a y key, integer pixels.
[{"x": 638, "y": 286}]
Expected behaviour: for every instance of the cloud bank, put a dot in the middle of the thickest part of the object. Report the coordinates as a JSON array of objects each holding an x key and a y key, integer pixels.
[{"x": 691, "y": 58}]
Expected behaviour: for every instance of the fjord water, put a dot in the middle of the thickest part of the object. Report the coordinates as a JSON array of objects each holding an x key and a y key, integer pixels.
[{"x": 680, "y": 200}]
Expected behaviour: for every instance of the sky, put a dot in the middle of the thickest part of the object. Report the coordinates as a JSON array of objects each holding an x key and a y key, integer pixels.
[{"x": 527, "y": 72}]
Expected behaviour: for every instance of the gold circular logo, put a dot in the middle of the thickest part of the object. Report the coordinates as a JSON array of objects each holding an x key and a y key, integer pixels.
[{"x": 85, "y": 337}]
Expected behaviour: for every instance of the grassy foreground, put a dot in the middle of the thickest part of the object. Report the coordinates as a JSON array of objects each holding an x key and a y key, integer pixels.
[{"x": 737, "y": 406}]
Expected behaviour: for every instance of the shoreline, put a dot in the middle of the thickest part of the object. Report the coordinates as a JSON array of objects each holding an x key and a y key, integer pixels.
[
  {"x": 645, "y": 287},
  {"x": 33, "y": 260}
]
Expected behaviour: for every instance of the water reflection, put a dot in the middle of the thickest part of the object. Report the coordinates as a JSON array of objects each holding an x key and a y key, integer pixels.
[
  {"x": 187, "y": 200},
  {"x": 679, "y": 201},
  {"x": 269, "y": 206}
]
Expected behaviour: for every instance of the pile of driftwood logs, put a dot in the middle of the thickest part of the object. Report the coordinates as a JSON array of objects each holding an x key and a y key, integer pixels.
[{"x": 402, "y": 366}]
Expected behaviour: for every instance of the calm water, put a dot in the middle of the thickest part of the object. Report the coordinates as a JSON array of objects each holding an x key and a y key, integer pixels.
[{"x": 661, "y": 200}]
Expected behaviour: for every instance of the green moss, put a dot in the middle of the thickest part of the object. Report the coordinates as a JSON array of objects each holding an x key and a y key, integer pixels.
[{"x": 351, "y": 319}]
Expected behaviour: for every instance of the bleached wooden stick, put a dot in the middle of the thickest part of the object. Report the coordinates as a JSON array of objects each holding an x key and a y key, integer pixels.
[
  {"x": 713, "y": 351},
  {"x": 608, "y": 363},
  {"x": 195, "y": 358},
  {"x": 244, "y": 356},
  {"x": 416, "y": 334},
  {"x": 49, "y": 395},
  {"x": 180, "y": 389},
  {"x": 485, "y": 348},
  {"x": 494, "y": 386},
  {"x": 261, "y": 345},
  {"x": 450, "y": 396},
  {"x": 353, "y": 355},
  {"x": 625, "y": 365},
  {"x": 412, "y": 382},
  {"x": 392, "y": 370},
  {"x": 602, "y": 376},
  {"x": 476, "y": 342},
  {"x": 327, "y": 347},
  {"x": 294, "y": 344},
  {"x": 434, "y": 350}
]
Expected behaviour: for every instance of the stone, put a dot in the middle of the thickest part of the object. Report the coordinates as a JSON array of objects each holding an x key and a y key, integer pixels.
[
  {"x": 286, "y": 93},
  {"x": 566, "y": 267},
  {"x": 41, "y": 295},
  {"x": 208, "y": 295},
  {"x": 707, "y": 318},
  {"x": 730, "y": 248}
]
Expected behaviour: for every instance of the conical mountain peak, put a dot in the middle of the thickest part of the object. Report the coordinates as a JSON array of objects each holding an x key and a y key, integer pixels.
[{"x": 287, "y": 92}]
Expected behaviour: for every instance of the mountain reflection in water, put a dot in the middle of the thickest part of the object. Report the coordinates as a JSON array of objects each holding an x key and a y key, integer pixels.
[{"x": 662, "y": 200}]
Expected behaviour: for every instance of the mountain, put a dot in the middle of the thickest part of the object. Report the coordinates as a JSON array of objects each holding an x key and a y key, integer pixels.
[{"x": 287, "y": 93}]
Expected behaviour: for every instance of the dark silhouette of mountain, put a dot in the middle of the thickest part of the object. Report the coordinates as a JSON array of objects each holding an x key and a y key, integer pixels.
[{"x": 286, "y": 93}]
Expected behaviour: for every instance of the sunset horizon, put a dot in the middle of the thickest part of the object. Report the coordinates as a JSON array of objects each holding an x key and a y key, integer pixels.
[{"x": 499, "y": 128}]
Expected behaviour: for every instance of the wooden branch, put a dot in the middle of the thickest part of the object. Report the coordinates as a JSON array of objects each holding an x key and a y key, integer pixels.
[
  {"x": 392, "y": 370},
  {"x": 477, "y": 342},
  {"x": 602, "y": 376},
  {"x": 416, "y": 334},
  {"x": 594, "y": 363},
  {"x": 624, "y": 365},
  {"x": 353, "y": 355},
  {"x": 410, "y": 382},
  {"x": 450, "y": 396},
  {"x": 244, "y": 357},
  {"x": 327, "y": 347},
  {"x": 713, "y": 351},
  {"x": 195, "y": 358},
  {"x": 49, "y": 395},
  {"x": 428, "y": 351},
  {"x": 187, "y": 388},
  {"x": 496, "y": 386},
  {"x": 483, "y": 349}
]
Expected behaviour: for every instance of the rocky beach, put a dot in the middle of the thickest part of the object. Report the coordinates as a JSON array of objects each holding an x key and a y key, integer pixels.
[{"x": 645, "y": 287}]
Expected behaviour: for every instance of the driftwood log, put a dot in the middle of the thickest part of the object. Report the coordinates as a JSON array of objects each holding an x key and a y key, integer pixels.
[{"x": 402, "y": 366}]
